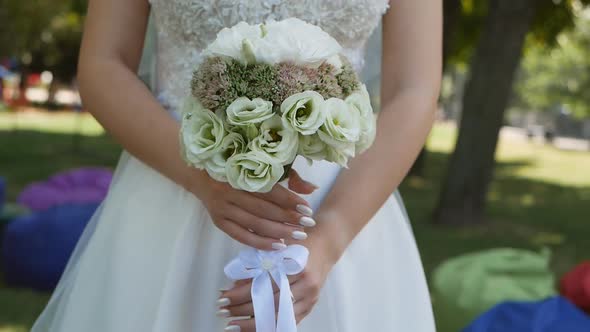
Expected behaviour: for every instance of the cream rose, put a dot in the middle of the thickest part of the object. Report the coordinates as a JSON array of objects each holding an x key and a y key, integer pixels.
[
  {"x": 294, "y": 40},
  {"x": 236, "y": 42},
  {"x": 245, "y": 112},
  {"x": 253, "y": 171},
  {"x": 276, "y": 140},
  {"x": 303, "y": 112}
]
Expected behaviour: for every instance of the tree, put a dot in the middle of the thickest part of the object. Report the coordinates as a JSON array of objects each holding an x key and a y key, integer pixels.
[
  {"x": 42, "y": 34},
  {"x": 487, "y": 94},
  {"x": 558, "y": 75}
]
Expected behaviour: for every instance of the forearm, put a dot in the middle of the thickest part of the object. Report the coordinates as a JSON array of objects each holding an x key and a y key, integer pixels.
[
  {"x": 129, "y": 112},
  {"x": 361, "y": 190}
]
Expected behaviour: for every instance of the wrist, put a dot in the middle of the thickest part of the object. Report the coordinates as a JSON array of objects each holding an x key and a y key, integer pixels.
[
  {"x": 330, "y": 234},
  {"x": 196, "y": 182}
]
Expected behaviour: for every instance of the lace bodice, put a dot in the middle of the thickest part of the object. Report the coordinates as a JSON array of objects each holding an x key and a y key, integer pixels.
[{"x": 186, "y": 27}]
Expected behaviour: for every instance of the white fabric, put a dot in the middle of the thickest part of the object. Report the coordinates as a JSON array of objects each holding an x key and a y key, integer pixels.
[{"x": 151, "y": 260}]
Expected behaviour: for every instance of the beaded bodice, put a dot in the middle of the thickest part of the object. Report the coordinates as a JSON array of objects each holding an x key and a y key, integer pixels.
[{"x": 185, "y": 27}]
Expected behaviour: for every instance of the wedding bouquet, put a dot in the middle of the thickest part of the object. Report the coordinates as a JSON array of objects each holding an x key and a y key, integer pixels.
[{"x": 266, "y": 93}]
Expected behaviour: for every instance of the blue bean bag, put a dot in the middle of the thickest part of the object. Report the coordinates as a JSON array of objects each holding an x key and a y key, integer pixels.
[
  {"x": 555, "y": 314},
  {"x": 36, "y": 247}
]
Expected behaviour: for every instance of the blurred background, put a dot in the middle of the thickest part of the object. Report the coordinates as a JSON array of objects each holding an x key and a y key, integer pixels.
[{"x": 499, "y": 198}]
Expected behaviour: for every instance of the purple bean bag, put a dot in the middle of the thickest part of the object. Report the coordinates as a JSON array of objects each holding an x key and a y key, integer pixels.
[
  {"x": 82, "y": 185},
  {"x": 555, "y": 314},
  {"x": 36, "y": 247}
]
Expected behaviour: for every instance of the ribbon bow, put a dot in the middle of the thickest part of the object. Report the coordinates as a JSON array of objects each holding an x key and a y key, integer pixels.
[{"x": 261, "y": 266}]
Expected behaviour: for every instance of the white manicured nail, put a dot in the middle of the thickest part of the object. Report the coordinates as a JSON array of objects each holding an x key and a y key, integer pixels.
[
  {"x": 233, "y": 328},
  {"x": 223, "y": 313},
  {"x": 304, "y": 210},
  {"x": 299, "y": 235},
  {"x": 307, "y": 222},
  {"x": 222, "y": 302},
  {"x": 279, "y": 246}
]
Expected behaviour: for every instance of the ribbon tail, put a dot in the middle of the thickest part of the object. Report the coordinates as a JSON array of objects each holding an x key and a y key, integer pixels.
[
  {"x": 286, "y": 317},
  {"x": 264, "y": 303}
]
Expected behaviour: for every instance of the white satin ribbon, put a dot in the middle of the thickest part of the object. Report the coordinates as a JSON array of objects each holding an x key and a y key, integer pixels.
[{"x": 263, "y": 267}]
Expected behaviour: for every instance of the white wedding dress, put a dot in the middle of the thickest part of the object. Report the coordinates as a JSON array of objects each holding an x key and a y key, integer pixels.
[{"x": 151, "y": 260}]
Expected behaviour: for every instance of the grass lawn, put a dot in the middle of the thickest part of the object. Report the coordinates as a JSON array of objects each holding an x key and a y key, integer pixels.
[{"x": 539, "y": 197}]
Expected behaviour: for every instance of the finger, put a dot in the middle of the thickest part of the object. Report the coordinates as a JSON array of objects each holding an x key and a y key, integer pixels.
[
  {"x": 263, "y": 227},
  {"x": 302, "y": 309},
  {"x": 299, "y": 185},
  {"x": 243, "y": 235},
  {"x": 268, "y": 210},
  {"x": 239, "y": 298},
  {"x": 243, "y": 325},
  {"x": 284, "y": 198}
]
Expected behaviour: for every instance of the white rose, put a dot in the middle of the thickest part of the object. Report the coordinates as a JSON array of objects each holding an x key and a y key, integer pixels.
[
  {"x": 312, "y": 147},
  {"x": 303, "y": 112},
  {"x": 253, "y": 171},
  {"x": 341, "y": 130},
  {"x": 201, "y": 134},
  {"x": 293, "y": 40},
  {"x": 236, "y": 42},
  {"x": 277, "y": 141},
  {"x": 231, "y": 145},
  {"x": 361, "y": 102},
  {"x": 245, "y": 112}
]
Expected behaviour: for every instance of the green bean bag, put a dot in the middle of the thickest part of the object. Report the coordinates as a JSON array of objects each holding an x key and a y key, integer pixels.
[{"x": 468, "y": 285}]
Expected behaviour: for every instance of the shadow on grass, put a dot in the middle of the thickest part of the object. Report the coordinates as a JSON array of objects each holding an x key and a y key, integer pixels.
[{"x": 524, "y": 213}]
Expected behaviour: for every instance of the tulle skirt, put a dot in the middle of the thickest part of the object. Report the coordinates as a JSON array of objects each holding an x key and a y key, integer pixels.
[{"x": 152, "y": 260}]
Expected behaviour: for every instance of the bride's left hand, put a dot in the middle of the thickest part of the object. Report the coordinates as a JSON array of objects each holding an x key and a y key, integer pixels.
[{"x": 305, "y": 287}]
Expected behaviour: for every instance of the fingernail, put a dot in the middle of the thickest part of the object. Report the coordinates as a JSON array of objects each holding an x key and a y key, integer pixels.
[
  {"x": 232, "y": 328},
  {"x": 307, "y": 222},
  {"x": 279, "y": 246},
  {"x": 304, "y": 210},
  {"x": 222, "y": 302},
  {"x": 223, "y": 313},
  {"x": 299, "y": 235}
]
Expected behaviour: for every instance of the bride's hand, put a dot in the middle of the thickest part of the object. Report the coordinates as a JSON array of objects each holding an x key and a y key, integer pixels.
[
  {"x": 259, "y": 220},
  {"x": 305, "y": 287}
]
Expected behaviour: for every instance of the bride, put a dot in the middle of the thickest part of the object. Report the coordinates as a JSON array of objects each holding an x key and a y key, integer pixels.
[{"x": 152, "y": 257}]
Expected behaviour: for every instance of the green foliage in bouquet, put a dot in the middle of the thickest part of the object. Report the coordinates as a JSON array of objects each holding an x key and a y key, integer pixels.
[{"x": 218, "y": 81}]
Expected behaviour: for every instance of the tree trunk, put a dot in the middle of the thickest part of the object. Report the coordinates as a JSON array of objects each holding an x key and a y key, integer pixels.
[
  {"x": 452, "y": 14},
  {"x": 462, "y": 200}
]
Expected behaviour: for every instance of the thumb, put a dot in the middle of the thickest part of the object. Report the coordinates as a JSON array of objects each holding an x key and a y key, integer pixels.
[{"x": 300, "y": 186}]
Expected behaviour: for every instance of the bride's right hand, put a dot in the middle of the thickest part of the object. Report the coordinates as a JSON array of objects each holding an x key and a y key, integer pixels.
[{"x": 259, "y": 220}]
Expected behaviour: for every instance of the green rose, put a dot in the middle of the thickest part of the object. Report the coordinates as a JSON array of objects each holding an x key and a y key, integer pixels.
[
  {"x": 253, "y": 171},
  {"x": 231, "y": 145},
  {"x": 360, "y": 101},
  {"x": 201, "y": 134},
  {"x": 303, "y": 112},
  {"x": 277, "y": 141},
  {"x": 341, "y": 130},
  {"x": 245, "y": 112}
]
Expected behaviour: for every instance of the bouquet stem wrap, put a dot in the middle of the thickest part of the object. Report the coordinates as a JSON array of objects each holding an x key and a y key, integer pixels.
[{"x": 263, "y": 267}]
